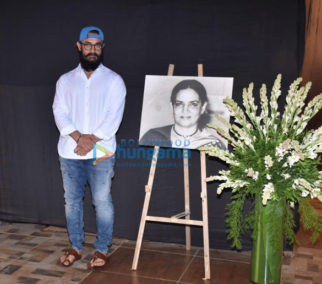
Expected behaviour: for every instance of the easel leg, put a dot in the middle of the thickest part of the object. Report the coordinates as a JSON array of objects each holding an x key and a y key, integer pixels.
[
  {"x": 148, "y": 190},
  {"x": 205, "y": 214},
  {"x": 186, "y": 196},
  {"x": 204, "y": 202}
]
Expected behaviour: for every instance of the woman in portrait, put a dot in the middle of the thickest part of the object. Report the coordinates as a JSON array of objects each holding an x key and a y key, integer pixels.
[{"x": 189, "y": 104}]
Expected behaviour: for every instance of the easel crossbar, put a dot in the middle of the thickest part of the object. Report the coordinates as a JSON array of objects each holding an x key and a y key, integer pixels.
[
  {"x": 175, "y": 221},
  {"x": 180, "y": 215}
]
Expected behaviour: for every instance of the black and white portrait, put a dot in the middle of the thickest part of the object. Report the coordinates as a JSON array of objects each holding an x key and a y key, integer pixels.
[{"x": 177, "y": 109}]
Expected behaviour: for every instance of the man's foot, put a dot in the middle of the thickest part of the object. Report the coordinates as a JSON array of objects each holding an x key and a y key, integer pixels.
[
  {"x": 98, "y": 261},
  {"x": 70, "y": 256}
]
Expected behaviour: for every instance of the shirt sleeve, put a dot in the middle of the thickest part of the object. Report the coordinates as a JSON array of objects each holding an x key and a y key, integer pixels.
[
  {"x": 114, "y": 113},
  {"x": 61, "y": 111}
]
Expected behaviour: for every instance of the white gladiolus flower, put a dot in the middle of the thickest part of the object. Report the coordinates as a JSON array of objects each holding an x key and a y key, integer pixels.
[
  {"x": 315, "y": 192},
  {"x": 305, "y": 193},
  {"x": 312, "y": 155},
  {"x": 293, "y": 159},
  {"x": 232, "y": 184},
  {"x": 295, "y": 145},
  {"x": 286, "y": 176},
  {"x": 251, "y": 173},
  {"x": 255, "y": 176},
  {"x": 306, "y": 188},
  {"x": 247, "y": 141},
  {"x": 274, "y": 105},
  {"x": 269, "y": 177},
  {"x": 267, "y": 192},
  {"x": 299, "y": 131},
  {"x": 268, "y": 162},
  {"x": 283, "y": 149}
]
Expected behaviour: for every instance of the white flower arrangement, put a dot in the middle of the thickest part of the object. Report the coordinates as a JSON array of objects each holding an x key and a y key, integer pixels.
[{"x": 273, "y": 156}]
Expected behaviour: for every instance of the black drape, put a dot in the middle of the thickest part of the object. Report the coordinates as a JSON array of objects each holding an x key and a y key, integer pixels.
[{"x": 247, "y": 40}]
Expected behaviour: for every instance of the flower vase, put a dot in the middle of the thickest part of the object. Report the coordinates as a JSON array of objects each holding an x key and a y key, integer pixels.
[{"x": 268, "y": 242}]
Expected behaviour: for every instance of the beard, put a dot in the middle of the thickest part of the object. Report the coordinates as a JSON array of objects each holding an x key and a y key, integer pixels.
[{"x": 90, "y": 65}]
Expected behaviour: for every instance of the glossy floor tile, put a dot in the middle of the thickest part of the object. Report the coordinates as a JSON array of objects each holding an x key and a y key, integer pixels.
[{"x": 29, "y": 252}]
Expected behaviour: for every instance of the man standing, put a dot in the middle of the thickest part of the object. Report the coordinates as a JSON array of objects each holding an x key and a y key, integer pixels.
[{"x": 88, "y": 109}]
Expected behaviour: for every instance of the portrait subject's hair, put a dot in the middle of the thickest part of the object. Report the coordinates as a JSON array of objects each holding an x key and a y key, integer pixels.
[
  {"x": 202, "y": 93},
  {"x": 190, "y": 84}
]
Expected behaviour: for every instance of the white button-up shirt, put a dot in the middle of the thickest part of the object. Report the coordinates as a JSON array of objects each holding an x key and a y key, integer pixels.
[{"x": 91, "y": 105}]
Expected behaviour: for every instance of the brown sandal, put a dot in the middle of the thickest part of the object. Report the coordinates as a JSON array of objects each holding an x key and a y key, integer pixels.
[
  {"x": 97, "y": 255},
  {"x": 68, "y": 253}
]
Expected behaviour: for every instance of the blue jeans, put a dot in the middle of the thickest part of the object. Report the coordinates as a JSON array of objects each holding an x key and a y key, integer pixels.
[{"x": 75, "y": 174}]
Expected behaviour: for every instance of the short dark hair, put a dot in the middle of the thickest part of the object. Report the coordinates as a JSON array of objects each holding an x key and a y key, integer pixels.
[
  {"x": 190, "y": 84},
  {"x": 95, "y": 32}
]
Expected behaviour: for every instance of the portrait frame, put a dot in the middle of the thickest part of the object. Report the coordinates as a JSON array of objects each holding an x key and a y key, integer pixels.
[{"x": 158, "y": 110}]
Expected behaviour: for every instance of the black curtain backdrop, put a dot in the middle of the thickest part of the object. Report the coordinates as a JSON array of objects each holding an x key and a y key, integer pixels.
[{"x": 247, "y": 40}]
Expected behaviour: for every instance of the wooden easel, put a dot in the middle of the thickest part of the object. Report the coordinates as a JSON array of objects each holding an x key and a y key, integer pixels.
[{"x": 176, "y": 219}]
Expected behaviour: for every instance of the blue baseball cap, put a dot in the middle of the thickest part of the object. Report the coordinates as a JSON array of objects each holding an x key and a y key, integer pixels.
[{"x": 84, "y": 33}]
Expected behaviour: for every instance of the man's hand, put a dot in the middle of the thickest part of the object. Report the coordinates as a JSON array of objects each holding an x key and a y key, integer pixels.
[
  {"x": 85, "y": 144},
  {"x": 80, "y": 151},
  {"x": 95, "y": 138}
]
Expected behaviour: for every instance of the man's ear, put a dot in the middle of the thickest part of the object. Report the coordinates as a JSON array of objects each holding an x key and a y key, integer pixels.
[{"x": 78, "y": 45}]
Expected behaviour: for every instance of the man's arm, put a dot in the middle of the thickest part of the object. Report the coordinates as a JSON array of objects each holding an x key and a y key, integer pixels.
[
  {"x": 65, "y": 126},
  {"x": 113, "y": 116},
  {"x": 61, "y": 112}
]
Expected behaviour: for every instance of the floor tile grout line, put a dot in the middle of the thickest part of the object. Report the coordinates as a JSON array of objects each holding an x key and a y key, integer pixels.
[
  {"x": 139, "y": 276},
  {"x": 117, "y": 247},
  {"x": 188, "y": 265},
  {"x": 85, "y": 276},
  {"x": 183, "y": 254},
  {"x": 227, "y": 260},
  {"x": 156, "y": 250}
]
